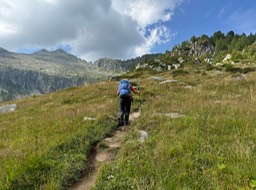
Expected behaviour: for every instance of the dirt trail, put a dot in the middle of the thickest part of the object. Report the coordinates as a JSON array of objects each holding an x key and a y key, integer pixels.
[{"x": 100, "y": 156}]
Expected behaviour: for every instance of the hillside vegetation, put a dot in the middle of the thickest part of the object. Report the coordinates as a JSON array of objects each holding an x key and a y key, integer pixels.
[
  {"x": 214, "y": 49},
  {"x": 211, "y": 147},
  {"x": 45, "y": 143}
]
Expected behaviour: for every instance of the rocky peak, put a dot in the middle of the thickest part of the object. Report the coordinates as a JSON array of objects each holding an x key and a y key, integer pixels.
[
  {"x": 41, "y": 52},
  {"x": 60, "y": 51},
  {"x": 110, "y": 64},
  {"x": 2, "y": 51},
  {"x": 5, "y": 54},
  {"x": 46, "y": 52},
  {"x": 195, "y": 49},
  {"x": 58, "y": 55}
]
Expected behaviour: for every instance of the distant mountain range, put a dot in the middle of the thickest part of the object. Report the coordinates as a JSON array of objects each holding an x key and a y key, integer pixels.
[{"x": 46, "y": 71}]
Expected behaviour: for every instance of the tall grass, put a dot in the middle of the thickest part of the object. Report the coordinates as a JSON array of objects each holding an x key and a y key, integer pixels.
[
  {"x": 212, "y": 147},
  {"x": 45, "y": 142}
]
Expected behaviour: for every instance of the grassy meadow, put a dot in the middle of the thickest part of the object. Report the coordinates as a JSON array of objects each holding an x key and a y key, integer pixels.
[
  {"x": 44, "y": 143},
  {"x": 212, "y": 147}
]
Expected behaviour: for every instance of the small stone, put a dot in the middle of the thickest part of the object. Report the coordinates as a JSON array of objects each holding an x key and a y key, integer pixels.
[
  {"x": 188, "y": 87},
  {"x": 170, "y": 115},
  {"x": 89, "y": 119},
  {"x": 168, "y": 81},
  {"x": 110, "y": 177},
  {"x": 143, "y": 136},
  {"x": 156, "y": 78}
]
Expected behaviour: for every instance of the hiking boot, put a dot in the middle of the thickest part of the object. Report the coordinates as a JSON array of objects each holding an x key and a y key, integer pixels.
[
  {"x": 126, "y": 123},
  {"x": 120, "y": 123}
]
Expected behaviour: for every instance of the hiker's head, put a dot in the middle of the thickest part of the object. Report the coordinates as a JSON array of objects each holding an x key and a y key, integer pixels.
[{"x": 124, "y": 80}]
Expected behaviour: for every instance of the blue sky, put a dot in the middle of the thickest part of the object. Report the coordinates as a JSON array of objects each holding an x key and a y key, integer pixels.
[
  {"x": 92, "y": 29},
  {"x": 198, "y": 17}
]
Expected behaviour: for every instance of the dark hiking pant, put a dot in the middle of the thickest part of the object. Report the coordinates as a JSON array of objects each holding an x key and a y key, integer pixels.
[{"x": 125, "y": 106}]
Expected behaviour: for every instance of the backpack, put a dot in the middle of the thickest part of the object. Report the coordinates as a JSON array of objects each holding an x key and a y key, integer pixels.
[{"x": 124, "y": 87}]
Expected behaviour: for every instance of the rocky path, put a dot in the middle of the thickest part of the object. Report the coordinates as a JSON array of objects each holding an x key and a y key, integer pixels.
[{"x": 100, "y": 156}]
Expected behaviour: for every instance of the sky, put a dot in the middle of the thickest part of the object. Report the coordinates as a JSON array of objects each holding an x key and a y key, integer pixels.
[{"x": 118, "y": 29}]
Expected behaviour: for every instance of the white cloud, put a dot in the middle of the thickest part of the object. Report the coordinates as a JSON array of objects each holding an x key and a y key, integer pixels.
[
  {"x": 157, "y": 35},
  {"x": 94, "y": 29},
  {"x": 146, "y": 12},
  {"x": 6, "y": 29}
]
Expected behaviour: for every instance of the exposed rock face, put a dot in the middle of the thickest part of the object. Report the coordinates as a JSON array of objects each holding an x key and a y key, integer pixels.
[
  {"x": 113, "y": 65},
  {"x": 158, "y": 66},
  {"x": 109, "y": 64},
  {"x": 201, "y": 49},
  {"x": 125, "y": 65},
  {"x": 195, "y": 49},
  {"x": 18, "y": 83},
  {"x": 141, "y": 66}
]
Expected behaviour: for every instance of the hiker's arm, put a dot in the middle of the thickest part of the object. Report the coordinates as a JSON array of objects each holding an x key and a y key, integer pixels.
[{"x": 135, "y": 91}]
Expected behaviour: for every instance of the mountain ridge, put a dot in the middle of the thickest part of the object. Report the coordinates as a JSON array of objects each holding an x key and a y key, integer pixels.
[
  {"x": 52, "y": 69},
  {"x": 217, "y": 49}
]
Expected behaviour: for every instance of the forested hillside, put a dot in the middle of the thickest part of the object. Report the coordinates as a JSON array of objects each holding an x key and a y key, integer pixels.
[{"x": 242, "y": 48}]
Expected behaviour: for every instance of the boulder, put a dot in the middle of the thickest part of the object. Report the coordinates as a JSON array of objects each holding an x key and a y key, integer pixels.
[
  {"x": 8, "y": 108},
  {"x": 228, "y": 57},
  {"x": 141, "y": 66},
  {"x": 143, "y": 136},
  {"x": 181, "y": 60},
  {"x": 158, "y": 68},
  {"x": 156, "y": 78},
  {"x": 168, "y": 81},
  {"x": 176, "y": 66},
  {"x": 170, "y": 115}
]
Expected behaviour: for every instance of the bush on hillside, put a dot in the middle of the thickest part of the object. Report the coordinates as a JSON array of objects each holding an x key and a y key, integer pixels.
[
  {"x": 179, "y": 72},
  {"x": 232, "y": 69}
]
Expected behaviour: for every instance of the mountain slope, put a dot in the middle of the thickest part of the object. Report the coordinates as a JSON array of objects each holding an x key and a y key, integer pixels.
[
  {"x": 201, "y": 128},
  {"x": 47, "y": 136},
  {"x": 43, "y": 72},
  {"x": 199, "y": 119},
  {"x": 47, "y": 71},
  {"x": 200, "y": 122}
]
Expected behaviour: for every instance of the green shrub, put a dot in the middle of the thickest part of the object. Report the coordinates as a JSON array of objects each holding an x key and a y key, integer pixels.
[
  {"x": 233, "y": 69},
  {"x": 179, "y": 72}
]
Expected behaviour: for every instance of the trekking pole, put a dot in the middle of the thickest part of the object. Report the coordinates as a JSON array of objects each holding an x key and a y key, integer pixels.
[
  {"x": 117, "y": 109},
  {"x": 139, "y": 99}
]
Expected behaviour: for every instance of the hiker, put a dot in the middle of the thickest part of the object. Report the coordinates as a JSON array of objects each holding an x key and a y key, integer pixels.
[{"x": 125, "y": 100}]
